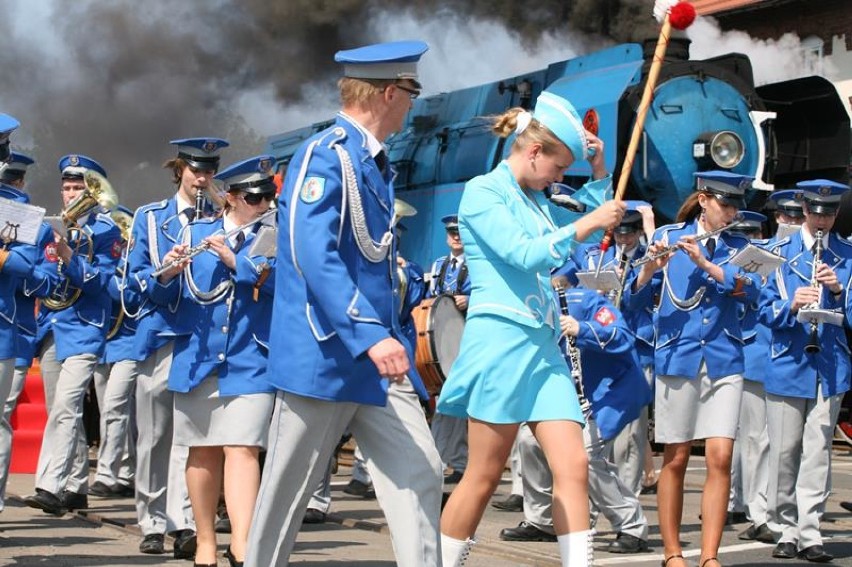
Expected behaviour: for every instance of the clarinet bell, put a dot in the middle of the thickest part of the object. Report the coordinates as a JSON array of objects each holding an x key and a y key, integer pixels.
[{"x": 813, "y": 345}]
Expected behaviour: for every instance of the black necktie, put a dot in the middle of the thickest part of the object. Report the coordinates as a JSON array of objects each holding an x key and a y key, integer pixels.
[
  {"x": 241, "y": 238},
  {"x": 454, "y": 263},
  {"x": 381, "y": 160},
  {"x": 189, "y": 213},
  {"x": 711, "y": 247}
]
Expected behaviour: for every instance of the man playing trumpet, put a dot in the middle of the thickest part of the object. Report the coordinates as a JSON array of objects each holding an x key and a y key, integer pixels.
[{"x": 810, "y": 370}]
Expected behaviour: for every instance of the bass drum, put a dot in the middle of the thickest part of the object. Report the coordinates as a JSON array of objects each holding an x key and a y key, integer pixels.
[{"x": 439, "y": 326}]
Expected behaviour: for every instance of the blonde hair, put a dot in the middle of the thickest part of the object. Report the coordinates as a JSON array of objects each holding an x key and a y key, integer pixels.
[
  {"x": 505, "y": 124},
  {"x": 356, "y": 92}
]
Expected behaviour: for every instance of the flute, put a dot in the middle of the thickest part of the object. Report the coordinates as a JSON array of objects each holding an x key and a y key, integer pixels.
[
  {"x": 198, "y": 249},
  {"x": 669, "y": 249}
]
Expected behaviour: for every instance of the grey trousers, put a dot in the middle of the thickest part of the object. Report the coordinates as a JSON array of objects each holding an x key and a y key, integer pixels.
[
  {"x": 800, "y": 434},
  {"x": 450, "y": 434},
  {"x": 115, "y": 385},
  {"x": 607, "y": 493},
  {"x": 8, "y": 374},
  {"x": 400, "y": 455},
  {"x": 750, "y": 468},
  {"x": 64, "y": 438},
  {"x": 162, "y": 499},
  {"x": 78, "y": 479},
  {"x": 321, "y": 497},
  {"x": 629, "y": 446}
]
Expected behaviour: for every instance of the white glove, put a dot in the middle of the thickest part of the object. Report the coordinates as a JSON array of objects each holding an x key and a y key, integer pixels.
[{"x": 661, "y": 7}]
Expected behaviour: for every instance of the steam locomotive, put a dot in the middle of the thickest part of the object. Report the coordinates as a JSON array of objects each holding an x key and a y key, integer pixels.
[{"x": 705, "y": 115}]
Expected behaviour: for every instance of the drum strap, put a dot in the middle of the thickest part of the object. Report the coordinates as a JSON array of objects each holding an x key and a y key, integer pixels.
[{"x": 460, "y": 280}]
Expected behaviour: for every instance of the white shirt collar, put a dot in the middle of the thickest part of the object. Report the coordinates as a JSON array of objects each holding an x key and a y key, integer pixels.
[
  {"x": 373, "y": 143},
  {"x": 182, "y": 205},
  {"x": 808, "y": 239}
]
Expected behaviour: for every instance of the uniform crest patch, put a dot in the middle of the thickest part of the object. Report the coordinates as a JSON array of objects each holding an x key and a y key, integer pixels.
[
  {"x": 604, "y": 316},
  {"x": 117, "y": 249},
  {"x": 312, "y": 189},
  {"x": 50, "y": 253}
]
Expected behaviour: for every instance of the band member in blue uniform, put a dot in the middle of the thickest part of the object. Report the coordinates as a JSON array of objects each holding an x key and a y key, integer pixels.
[
  {"x": 336, "y": 317},
  {"x": 631, "y": 445},
  {"x": 37, "y": 284},
  {"x": 810, "y": 370},
  {"x": 613, "y": 383},
  {"x": 115, "y": 384},
  {"x": 788, "y": 211},
  {"x": 162, "y": 502},
  {"x": 78, "y": 311},
  {"x": 8, "y": 124},
  {"x": 749, "y": 473},
  {"x": 513, "y": 238},
  {"x": 699, "y": 351},
  {"x": 223, "y": 400},
  {"x": 450, "y": 277}
]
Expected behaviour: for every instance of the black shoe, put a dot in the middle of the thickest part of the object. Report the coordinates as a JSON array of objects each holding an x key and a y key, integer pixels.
[
  {"x": 846, "y": 506},
  {"x": 232, "y": 561},
  {"x": 122, "y": 491},
  {"x": 626, "y": 543},
  {"x": 185, "y": 544},
  {"x": 649, "y": 489},
  {"x": 758, "y": 533},
  {"x": 525, "y": 532},
  {"x": 152, "y": 544},
  {"x": 100, "y": 490},
  {"x": 46, "y": 502},
  {"x": 74, "y": 500},
  {"x": 512, "y": 503},
  {"x": 454, "y": 477},
  {"x": 314, "y": 516},
  {"x": 358, "y": 488},
  {"x": 816, "y": 554},
  {"x": 736, "y": 518},
  {"x": 785, "y": 550}
]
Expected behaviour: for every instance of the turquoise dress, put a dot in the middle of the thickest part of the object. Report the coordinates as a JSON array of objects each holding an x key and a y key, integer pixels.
[{"x": 510, "y": 368}]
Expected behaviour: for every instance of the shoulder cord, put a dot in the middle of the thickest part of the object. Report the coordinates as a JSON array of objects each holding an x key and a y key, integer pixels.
[
  {"x": 372, "y": 251},
  {"x": 205, "y": 297}
]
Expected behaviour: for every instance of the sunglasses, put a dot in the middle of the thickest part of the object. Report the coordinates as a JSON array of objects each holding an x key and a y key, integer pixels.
[
  {"x": 412, "y": 93},
  {"x": 256, "y": 198}
]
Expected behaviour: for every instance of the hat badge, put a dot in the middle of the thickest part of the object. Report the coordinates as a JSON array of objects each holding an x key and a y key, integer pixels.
[
  {"x": 74, "y": 160},
  {"x": 799, "y": 196},
  {"x": 825, "y": 190},
  {"x": 264, "y": 165},
  {"x": 745, "y": 184},
  {"x": 209, "y": 146}
]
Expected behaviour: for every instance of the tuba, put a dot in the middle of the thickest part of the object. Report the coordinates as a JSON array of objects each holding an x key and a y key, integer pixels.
[{"x": 98, "y": 193}]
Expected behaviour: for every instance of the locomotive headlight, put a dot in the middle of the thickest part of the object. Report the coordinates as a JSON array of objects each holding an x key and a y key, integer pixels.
[{"x": 725, "y": 148}]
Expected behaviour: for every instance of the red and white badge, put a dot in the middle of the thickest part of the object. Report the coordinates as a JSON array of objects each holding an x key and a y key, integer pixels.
[
  {"x": 117, "y": 249},
  {"x": 605, "y": 316},
  {"x": 50, "y": 253}
]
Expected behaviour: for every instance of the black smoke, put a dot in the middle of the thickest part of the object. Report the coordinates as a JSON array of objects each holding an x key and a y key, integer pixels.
[{"x": 116, "y": 80}]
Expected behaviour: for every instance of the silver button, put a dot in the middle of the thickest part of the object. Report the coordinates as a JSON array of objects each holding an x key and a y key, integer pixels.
[
  {"x": 355, "y": 312},
  {"x": 705, "y": 320},
  {"x": 53, "y": 320},
  {"x": 221, "y": 356},
  {"x": 224, "y": 328},
  {"x": 706, "y": 300},
  {"x": 703, "y": 342}
]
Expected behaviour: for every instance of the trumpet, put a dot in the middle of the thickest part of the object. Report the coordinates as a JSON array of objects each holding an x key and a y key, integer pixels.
[
  {"x": 198, "y": 249},
  {"x": 674, "y": 247},
  {"x": 813, "y": 345}
]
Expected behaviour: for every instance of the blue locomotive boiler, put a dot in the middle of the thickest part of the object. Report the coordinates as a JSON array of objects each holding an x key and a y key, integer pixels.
[{"x": 704, "y": 115}]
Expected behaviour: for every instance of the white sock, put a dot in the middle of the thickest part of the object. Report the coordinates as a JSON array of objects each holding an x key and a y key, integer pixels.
[
  {"x": 454, "y": 552},
  {"x": 576, "y": 549}
]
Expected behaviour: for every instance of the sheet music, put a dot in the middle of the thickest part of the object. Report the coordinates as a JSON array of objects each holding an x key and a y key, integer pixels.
[
  {"x": 265, "y": 243},
  {"x": 57, "y": 224},
  {"x": 20, "y": 222},
  {"x": 755, "y": 259},
  {"x": 827, "y": 316},
  {"x": 607, "y": 280},
  {"x": 785, "y": 230}
]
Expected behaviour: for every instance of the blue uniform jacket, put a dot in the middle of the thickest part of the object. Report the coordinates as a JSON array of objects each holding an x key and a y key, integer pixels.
[
  {"x": 37, "y": 285},
  {"x": 230, "y": 335},
  {"x": 450, "y": 281},
  {"x": 640, "y": 321},
  {"x": 794, "y": 372},
  {"x": 512, "y": 244},
  {"x": 612, "y": 378},
  {"x": 121, "y": 345},
  {"x": 81, "y": 328},
  {"x": 156, "y": 229},
  {"x": 414, "y": 294},
  {"x": 331, "y": 303},
  {"x": 20, "y": 262},
  {"x": 697, "y": 318},
  {"x": 756, "y": 335}
]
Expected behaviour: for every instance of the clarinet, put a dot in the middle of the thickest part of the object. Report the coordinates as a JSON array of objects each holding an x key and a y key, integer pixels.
[
  {"x": 813, "y": 345},
  {"x": 199, "y": 203},
  {"x": 573, "y": 354},
  {"x": 624, "y": 265}
]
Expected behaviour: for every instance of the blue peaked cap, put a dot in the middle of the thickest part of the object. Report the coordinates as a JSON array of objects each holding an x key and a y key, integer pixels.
[
  {"x": 201, "y": 153},
  {"x": 252, "y": 175},
  {"x": 750, "y": 221},
  {"x": 562, "y": 119},
  {"x": 15, "y": 168},
  {"x": 789, "y": 201},
  {"x": 632, "y": 219},
  {"x": 394, "y": 60},
  {"x": 75, "y": 165},
  {"x": 822, "y": 195},
  {"x": 563, "y": 195},
  {"x": 451, "y": 222},
  {"x": 7, "y": 125},
  {"x": 726, "y": 186}
]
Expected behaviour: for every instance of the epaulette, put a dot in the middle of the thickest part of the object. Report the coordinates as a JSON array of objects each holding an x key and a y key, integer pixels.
[
  {"x": 207, "y": 220},
  {"x": 103, "y": 215},
  {"x": 332, "y": 136},
  {"x": 779, "y": 243},
  {"x": 843, "y": 241},
  {"x": 760, "y": 241},
  {"x": 666, "y": 228},
  {"x": 153, "y": 206}
]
